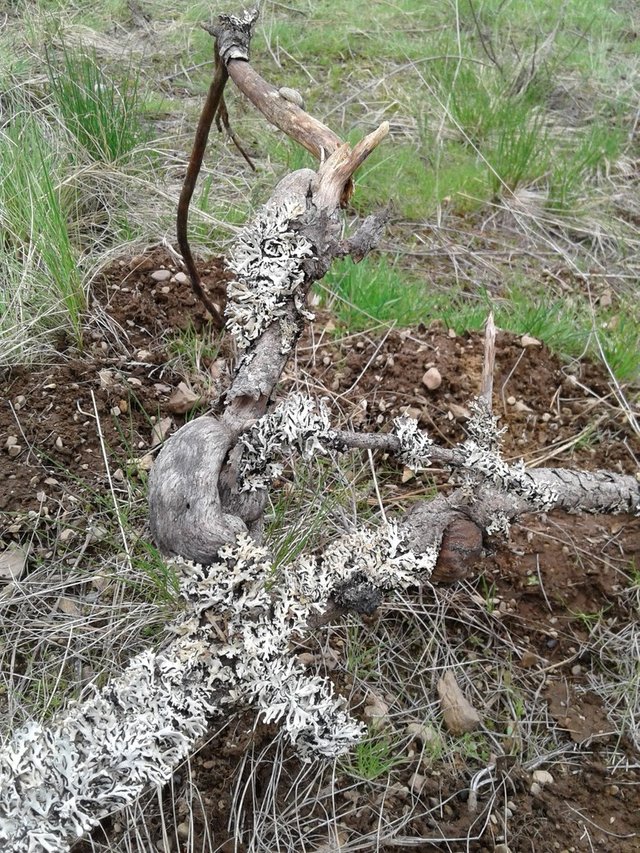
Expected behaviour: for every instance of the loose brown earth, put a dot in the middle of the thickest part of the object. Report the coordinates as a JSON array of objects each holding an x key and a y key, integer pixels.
[{"x": 118, "y": 398}]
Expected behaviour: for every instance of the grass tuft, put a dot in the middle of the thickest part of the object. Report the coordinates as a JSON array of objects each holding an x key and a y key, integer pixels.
[
  {"x": 42, "y": 288},
  {"x": 101, "y": 113}
]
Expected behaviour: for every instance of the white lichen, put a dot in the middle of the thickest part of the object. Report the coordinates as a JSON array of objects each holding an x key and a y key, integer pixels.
[
  {"x": 484, "y": 465},
  {"x": 231, "y": 647},
  {"x": 481, "y": 460},
  {"x": 297, "y": 423},
  {"x": 267, "y": 263},
  {"x": 500, "y": 523},
  {"x": 415, "y": 444},
  {"x": 482, "y": 426}
]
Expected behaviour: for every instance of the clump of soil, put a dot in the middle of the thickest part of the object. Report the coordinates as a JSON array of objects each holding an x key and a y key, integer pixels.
[
  {"x": 118, "y": 399},
  {"x": 117, "y": 396}
]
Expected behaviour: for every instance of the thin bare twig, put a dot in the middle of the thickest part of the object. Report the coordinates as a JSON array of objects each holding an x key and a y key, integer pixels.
[
  {"x": 209, "y": 110},
  {"x": 222, "y": 123}
]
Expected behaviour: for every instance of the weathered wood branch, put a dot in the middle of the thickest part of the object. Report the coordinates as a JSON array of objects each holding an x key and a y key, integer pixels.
[
  {"x": 233, "y": 38},
  {"x": 195, "y": 503},
  {"x": 187, "y": 489}
]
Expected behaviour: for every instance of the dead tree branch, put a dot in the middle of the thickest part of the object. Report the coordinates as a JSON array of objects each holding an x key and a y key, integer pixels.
[{"x": 213, "y": 103}]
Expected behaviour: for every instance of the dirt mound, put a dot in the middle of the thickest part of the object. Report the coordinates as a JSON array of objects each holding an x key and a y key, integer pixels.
[{"x": 120, "y": 396}]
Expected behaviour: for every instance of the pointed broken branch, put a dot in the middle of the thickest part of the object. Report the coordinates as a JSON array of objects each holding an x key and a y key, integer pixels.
[{"x": 488, "y": 365}]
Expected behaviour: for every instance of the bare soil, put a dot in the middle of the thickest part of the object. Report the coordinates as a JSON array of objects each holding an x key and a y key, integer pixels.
[{"x": 546, "y": 582}]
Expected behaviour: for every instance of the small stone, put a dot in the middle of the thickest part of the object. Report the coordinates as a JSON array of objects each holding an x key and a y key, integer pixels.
[
  {"x": 97, "y": 533},
  {"x": 511, "y": 401},
  {"x": 182, "y": 828},
  {"x": 536, "y": 789},
  {"x": 141, "y": 263},
  {"x": 161, "y": 275},
  {"x": 576, "y": 670},
  {"x": 165, "y": 289},
  {"x": 432, "y": 379},
  {"x": 501, "y": 848},
  {"x": 528, "y": 341},
  {"x": 123, "y": 406},
  {"x": 134, "y": 382},
  {"x": 452, "y": 334},
  {"x": 416, "y": 783},
  {"x": 59, "y": 443},
  {"x": 459, "y": 413},
  {"x": 182, "y": 400},
  {"x": 145, "y": 463},
  {"x": 522, "y": 407},
  {"x": 51, "y": 481},
  {"x": 115, "y": 411},
  {"x": 542, "y": 777},
  {"x": 14, "y": 450},
  {"x": 181, "y": 278},
  {"x": 66, "y": 535},
  {"x": 546, "y": 417},
  {"x": 11, "y": 441},
  {"x": 19, "y": 402},
  {"x": 160, "y": 431},
  {"x": 606, "y": 299},
  {"x": 144, "y": 355}
]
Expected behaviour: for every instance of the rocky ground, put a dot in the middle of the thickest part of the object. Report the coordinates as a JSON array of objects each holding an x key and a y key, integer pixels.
[{"x": 96, "y": 418}]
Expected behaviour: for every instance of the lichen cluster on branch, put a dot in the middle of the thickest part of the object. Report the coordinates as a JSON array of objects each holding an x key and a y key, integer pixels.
[
  {"x": 297, "y": 423},
  {"x": 415, "y": 444},
  {"x": 483, "y": 462},
  {"x": 231, "y": 647},
  {"x": 266, "y": 261}
]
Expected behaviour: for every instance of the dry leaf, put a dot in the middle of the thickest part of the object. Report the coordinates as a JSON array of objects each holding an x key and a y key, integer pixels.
[
  {"x": 459, "y": 714},
  {"x": 13, "y": 562},
  {"x": 68, "y": 606},
  {"x": 160, "y": 431},
  {"x": 529, "y": 341}
]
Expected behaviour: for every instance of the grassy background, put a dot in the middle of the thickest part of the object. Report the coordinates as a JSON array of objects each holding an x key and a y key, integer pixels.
[{"x": 511, "y": 167}]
